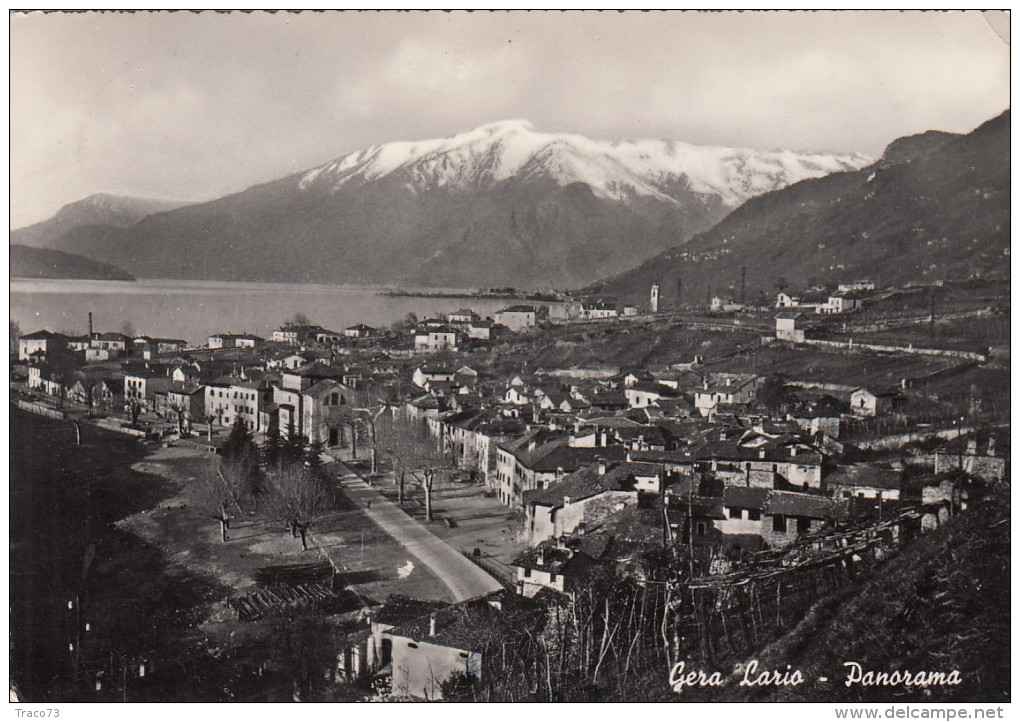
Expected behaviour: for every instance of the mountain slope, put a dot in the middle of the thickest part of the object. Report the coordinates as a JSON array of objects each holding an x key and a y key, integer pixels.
[
  {"x": 935, "y": 206},
  {"x": 45, "y": 263},
  {"x": 101, "y": 209},
  {"x": 500, "y": 205}
]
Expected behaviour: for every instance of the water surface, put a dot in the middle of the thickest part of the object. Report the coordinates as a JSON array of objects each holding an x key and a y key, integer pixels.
[{"x": 193, "y": 310}]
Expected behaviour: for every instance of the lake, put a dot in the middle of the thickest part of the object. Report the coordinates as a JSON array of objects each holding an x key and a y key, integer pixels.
[{"x": 193, "y": 310}]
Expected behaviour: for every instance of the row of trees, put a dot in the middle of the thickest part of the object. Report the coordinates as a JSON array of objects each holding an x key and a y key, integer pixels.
[
  {"x": 282, "y": 482},
  {"x": 414, "y": 452}
]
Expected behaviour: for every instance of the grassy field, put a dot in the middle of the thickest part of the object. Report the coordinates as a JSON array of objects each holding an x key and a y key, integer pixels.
[
  {"x": 613, "y": 345},
  {"x": 952, "y": 297},
  {"x": 844, "y": 368},
  {"x": 370, "y": 558},
  {"x": 965, "y": 334}
]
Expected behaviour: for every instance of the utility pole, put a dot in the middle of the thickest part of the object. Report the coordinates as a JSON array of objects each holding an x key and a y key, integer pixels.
[
  {"x": 708, "y": 295},
  {"x": 679, "y": 292},
  {"x": 743, "y": 282}
]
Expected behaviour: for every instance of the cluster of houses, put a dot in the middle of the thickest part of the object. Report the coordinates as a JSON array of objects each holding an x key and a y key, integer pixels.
[
  {"x": 599, "y": 467},
  {"x": 846, "y": 298}
]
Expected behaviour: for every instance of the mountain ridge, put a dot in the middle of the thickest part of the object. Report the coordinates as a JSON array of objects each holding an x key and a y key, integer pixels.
[
  {"x": 28, "y": 262},
  {"x": 499, "y": 205},
  {"x": 935, "y": 206},
  {"x": 98, "y": 209}
]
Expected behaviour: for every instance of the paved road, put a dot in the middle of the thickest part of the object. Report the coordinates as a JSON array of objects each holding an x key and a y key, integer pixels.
[{"x": 464, "y": 579}]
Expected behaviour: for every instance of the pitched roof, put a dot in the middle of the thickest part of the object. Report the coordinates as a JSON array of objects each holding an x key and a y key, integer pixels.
[
  {"x": 745, "y": 497},
  {"x": 588, "y": 482},
  {"x": 792, "y": 503},
  {"x": 317, "y": 369},
  {"x": 865, "y": 475},
  {"x": 43, "y": 334}
]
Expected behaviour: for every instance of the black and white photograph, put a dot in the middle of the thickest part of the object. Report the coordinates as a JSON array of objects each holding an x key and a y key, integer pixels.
[{"x": 510, "y": 356}]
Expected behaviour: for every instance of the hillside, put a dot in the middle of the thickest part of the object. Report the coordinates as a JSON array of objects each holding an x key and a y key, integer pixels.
[
  {"x": 935, "y": 206},
  {"x": 942, "y": 604},
  {"x": 43, "y": 263},
  {"x": 101, "y": 209},
  {"x": 500, "y": 205}
]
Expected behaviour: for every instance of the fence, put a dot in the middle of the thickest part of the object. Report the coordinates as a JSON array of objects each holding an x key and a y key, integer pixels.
[
  {"x": 851, "y": 345},
  {"x": 40, "y": 410},
  {"x": 499, "y": 571}
]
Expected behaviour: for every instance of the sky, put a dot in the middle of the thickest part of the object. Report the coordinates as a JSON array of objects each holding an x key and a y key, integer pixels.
[{"x": 194, "y": 106}]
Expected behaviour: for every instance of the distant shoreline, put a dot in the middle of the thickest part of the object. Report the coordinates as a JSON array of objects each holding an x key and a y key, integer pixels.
[{"x": 510, "y": 296}]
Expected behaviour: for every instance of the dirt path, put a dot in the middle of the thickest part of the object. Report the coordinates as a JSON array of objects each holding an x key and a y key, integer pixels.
[{"x": 464, "y": 579}]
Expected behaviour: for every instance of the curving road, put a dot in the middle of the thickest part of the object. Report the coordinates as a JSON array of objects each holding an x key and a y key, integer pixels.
[{"x": 464, "y": 579}]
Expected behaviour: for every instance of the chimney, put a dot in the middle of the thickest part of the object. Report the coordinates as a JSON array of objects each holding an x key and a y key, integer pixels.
[
  {"x": 628, "y": 456},
  {"x": 793, "y": 451},
  {"x": 601, "y": 461},
  {"x": 432, "y": 625},
  {"x": 761, "y": 453},
  {"x": 991, "y": 445},
  {"x": 540, "y": 559},
  {"x": 559, "y": 473},
  {"x": 729, "y": 381},
  {"x": 90, "y": 325},
  {"x": 972, "y": 445},
  {"x": 605, "y": 438}
]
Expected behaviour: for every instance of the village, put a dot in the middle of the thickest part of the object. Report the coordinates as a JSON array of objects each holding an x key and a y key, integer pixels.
[{"x": 518, "y": 459}]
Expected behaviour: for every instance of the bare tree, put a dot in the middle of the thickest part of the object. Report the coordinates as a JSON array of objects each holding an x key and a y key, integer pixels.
[
  {"x": 179, "y": 408},
  {"x": 298, "y": 498},
  {"x": 414, "y": 451},
  {"x": 221, "y": 493},
  {"x": 135, "y": 409},
  {"x": 15, "y": 338}
]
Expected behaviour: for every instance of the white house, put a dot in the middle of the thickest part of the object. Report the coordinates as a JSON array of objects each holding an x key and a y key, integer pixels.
[
  {"x": 40, "y": 343},
  {"x": 866, "y": 403},
  {"x": 598, "y": 310},
  {"x": 516, "y": 318},
  {"x": 481, "y": 330},
  {"x": 435, "y": 338},
  {"x": 359, "y": 330},
  {"x": 786, "y": 327},
  {"x": 426, "y": 373},
  {"x": 840, "y": 303}
]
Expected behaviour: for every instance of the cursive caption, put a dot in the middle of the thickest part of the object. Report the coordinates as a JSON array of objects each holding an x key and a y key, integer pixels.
[{"x": 751, "y": 675}]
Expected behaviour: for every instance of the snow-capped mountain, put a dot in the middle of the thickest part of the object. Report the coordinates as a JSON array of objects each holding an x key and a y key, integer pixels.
[
  {"x": 614, "y": 170},
  {"x": 935, "y": 206},
  {"x": 500, "y": 205}
]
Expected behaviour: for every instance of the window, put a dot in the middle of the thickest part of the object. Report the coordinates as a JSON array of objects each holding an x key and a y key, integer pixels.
[
  {"x": 733, "y": 511},
  {"x": 779, "y": 523},
  {"x": 803, "y": 525},
  {"x": 753, "y": 515},
  {"x": 700, "y": 529}
]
